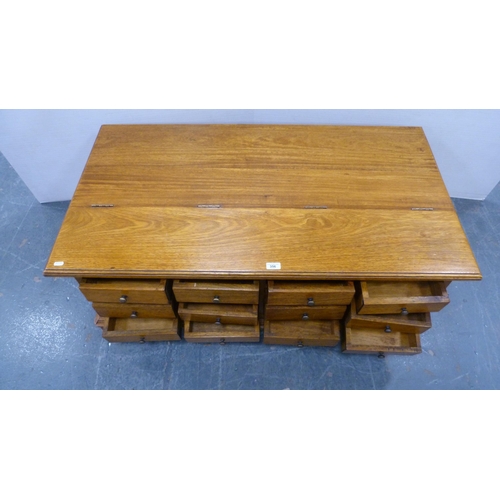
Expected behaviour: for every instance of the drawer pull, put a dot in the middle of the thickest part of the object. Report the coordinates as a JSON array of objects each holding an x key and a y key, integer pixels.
[
  {"x": 381, "y": 355},
  {"x": 142, "y": 340},
  {"x": 300, "y": 343},
  {"x": 218, "y": 321},
  {"x": 310, "y": 301},
  {"x": 404, "y": 311},
  {"x": 216, "y": 299},
  {"x": 134, "y": 314},
  {"x": 123, "y": 299},
  {"x": 222, "y": 342},
  {"x": 387, "y": 329},
  {"x": 305, "y": 316}
]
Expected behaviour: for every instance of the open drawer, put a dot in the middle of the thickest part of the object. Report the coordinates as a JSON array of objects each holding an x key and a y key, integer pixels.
[
  {"x": 361, "y": 340},
  {"x": 409, "y": 323},
  {"x": 195, "y": 331},
  {"x": 400, "y": 297},
  {"x": 140, "y": 330},
  {"x": 236, "y": 314}
]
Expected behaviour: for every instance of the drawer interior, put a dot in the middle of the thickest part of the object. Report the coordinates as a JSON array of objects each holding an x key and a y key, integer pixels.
[
  {"x": 371, "y": 341},
  {"x": 141, "y": 324},
  {"x": 140, "y": 329},
  {"x": 392, "y": 297},
  {"x": 390, "y": 289}
]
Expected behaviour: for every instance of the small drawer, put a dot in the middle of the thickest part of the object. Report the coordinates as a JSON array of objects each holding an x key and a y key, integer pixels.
[
  {"x": 235, "y": 314},
  {"x": 410, "y": 323},
  {"x": 310, "y": 293},
  {"x": 375, "y": 341},
  {"x": 304, "y": 313},
  {"x": 400, "y": 297},
  {"x": 217, "y": 292},
  {"x": 302, "y": 333},
  {"x": 210, "y": 332},
  {"x": 124, "y": 291},
  {"x": 140, "y": 330},
  {"x": 111, "y": 310}
]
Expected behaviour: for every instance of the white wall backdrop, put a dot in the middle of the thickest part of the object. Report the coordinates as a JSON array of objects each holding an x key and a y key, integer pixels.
[{"x": 49, "y": 148}]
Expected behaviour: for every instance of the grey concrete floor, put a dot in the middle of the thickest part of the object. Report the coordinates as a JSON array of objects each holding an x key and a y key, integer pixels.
[{"x": 49, "y": 340}]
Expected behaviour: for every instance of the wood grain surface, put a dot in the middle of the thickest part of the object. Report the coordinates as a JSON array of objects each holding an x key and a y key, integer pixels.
[{"x": 325, "y": 202}]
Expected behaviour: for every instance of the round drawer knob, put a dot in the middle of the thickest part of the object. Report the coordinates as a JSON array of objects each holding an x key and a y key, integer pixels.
[
  {"x": 222, "y": 342},
  {"x": 218, "y": 321},
  {"x": 216, "y": 299},
  {"x": 310, "y": 301},
  {"x": 142, "y": 340},
  {"x": 381, "y": 355},
  {"x": 123, "y": 299},
  {"x": 387, "y": 329},
  {"x": 300, "y": 343},
  {"x": 404, "y": 311},
  {"x": 305, "y": 316},
  {"x": 134, "y": 314}
]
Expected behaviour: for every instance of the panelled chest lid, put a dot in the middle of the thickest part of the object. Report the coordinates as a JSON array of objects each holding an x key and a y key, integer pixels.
[{"x": 262, "y": 201}]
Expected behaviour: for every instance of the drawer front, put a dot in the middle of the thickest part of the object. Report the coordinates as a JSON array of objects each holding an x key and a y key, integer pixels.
[
  {"x": 124, "y": 291},
  {"x": 410, "y": 323},
  {"x": 217, "y": 292},
  {"x": 236, "y": 314},
  {"x": 372, "y": 341},
  {"x": 210, "y": 332},
  {"x": 310, "y": 293},
  {"x": 304, "y": 313},
  {"x": 133, "y": 310},
  {"x": 302, "y": 333},
  {"x": 373, "y": 297},
  {"x": 140, "y": 330}
]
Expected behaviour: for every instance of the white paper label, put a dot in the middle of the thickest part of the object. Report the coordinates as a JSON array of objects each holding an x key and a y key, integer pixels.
[
  {"x": 273, "y": 265},
  {"x": 59, "y": 263}
]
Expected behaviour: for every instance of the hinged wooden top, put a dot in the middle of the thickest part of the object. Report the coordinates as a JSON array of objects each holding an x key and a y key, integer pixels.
[{"x": 324, "y": 202}]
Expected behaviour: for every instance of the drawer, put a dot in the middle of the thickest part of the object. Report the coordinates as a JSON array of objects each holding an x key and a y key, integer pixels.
[
  {"x": 302, "y": 333},
  {"x": 236, "y": 314},
  {"x": 362, "y": 340},
  {"x": 210, "y": 332},
  {"x": 310, "y": 293},
  {"x": 217, "y": 292},
  {"x": 111, "y": 310},
  {"x": 395, "y": 297},
  {"x": 140, "y": 330},
  {"x": 124, "y": 291},
  {"x": 409, "y": 323},
  {"x": 299, "y": 313}
]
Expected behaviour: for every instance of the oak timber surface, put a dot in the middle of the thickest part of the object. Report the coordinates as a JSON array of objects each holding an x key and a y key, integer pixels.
[
  {"x": 262, "y": 166},
  {"x": 368, "y": 182}
]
